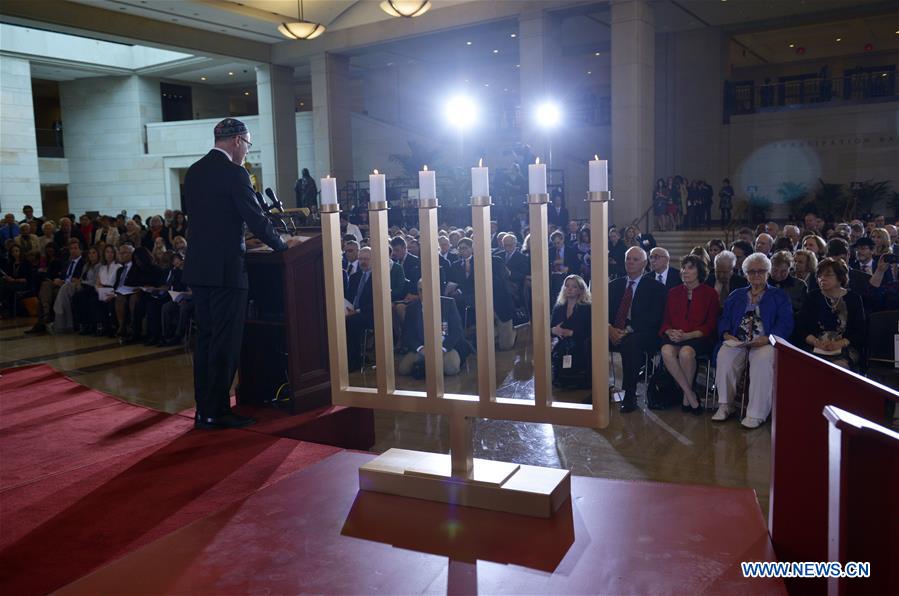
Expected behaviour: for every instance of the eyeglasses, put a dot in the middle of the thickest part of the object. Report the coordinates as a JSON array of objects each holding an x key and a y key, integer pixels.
[
  {"x": 249, "y": 144},
  {"x": 756, "y": 271}
]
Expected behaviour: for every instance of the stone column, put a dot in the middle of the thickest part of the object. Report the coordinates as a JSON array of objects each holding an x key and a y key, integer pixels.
[
  {"x": 277, "y": 135},
  {"x": 633, "y": 109},
  {"x": 19, "y": 174},
  {"x": 331, "y": 126}
]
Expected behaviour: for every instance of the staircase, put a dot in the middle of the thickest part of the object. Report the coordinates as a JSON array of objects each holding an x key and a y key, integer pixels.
[{"x": 681, "y": 242}]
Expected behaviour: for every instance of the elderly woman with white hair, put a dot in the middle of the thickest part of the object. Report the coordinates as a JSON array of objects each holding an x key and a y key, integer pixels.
[{"x": 751, "y": 315}]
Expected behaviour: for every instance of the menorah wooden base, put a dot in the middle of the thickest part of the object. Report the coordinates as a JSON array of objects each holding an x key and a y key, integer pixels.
[{"x": 497, "y": 486}]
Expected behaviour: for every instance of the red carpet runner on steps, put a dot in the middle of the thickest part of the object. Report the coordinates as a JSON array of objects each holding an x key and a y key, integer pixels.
[{"x": 86, "y": 478}]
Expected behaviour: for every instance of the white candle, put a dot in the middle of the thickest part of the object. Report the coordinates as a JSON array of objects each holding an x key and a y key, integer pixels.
[
  {"x": 537, "y": 178},
  {"x": 480, "y": 180},
  {"x": 427, "y": 184},
  {"x": 377, "y": 187},
  {"x": 329, "y": 190},
  {"x": 599, "y": 174}
]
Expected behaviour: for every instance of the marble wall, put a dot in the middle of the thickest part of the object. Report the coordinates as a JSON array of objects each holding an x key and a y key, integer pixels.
[{"x": 19, "y": 172}]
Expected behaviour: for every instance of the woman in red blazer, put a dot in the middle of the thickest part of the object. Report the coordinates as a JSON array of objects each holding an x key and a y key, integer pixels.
[{"x": 689, "y": 328}]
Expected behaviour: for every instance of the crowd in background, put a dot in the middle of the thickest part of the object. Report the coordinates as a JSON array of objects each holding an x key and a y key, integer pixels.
[{"x": 106, "y": 275}]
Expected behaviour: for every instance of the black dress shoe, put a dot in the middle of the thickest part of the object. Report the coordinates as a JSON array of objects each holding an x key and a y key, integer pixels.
[
  {"x": 628, "y": 405},
  {"x": 226, "y": 421},
  {"x": 38, "y": 328}
]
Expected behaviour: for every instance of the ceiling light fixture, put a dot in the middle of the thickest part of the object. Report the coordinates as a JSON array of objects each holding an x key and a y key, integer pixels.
[
  {"x": 246, "y": 92},
  {"x": 792, "y": 45},
  {"x": 405, "y": 8},
  {"x": 301, "y": 28},
  {"x": 513, "y": 35},
  {"x": 202, "y": 78},
  {"x": 468, "y": 43},
  {"x": 230, "y": 73},
  {"x": 496, "y": 51},
  {"x": 839, "y": 39}
]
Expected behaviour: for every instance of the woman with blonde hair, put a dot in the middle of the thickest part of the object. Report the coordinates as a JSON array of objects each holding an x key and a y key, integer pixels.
[
  {"x": 883, "y": 245},
  {"x": 570, "y": 325}
]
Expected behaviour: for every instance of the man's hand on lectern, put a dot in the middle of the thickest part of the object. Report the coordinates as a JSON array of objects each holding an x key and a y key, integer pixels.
[{"x": 293, "y": 241}]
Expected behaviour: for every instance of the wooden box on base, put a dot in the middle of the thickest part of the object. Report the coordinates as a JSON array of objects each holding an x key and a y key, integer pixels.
[{"x": 497, "y": 486}]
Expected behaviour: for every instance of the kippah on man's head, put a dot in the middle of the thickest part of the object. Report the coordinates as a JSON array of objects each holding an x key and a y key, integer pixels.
[{"x": 229, "y": 127}]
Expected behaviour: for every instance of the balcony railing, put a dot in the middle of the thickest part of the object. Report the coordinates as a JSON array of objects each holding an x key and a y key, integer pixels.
[
  {"x": 49, "y": 142},
  {"x": 746, "y": 97}
]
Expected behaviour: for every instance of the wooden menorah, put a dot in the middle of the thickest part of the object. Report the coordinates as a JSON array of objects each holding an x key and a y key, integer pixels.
[{"x": 458, "y": 478}]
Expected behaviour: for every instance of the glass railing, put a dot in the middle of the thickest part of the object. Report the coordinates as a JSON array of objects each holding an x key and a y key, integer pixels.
[{"x": 748, "y": 97}]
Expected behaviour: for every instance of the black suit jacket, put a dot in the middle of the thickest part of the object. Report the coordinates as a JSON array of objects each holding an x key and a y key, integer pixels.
[
  {"x": 366, "y": 301},
  {"x": 569, "y": 259},
  {"x": 672, "y": 280},
  {"x": 414, "y": 332},
  {"x": 412, "y": 270},
  {"x": 77, "y": 271},
  {"x": 221, "y": 200},
  {"x": 519, "y": 266},
  {"x": 457, "y": 276},
  {"x": 559, "y": 219},
  {"x": 647, "y": 308}
]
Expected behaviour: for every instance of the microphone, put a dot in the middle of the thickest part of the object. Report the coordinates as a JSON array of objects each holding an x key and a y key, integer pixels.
[
  {"x": 261, "y": 201},
  {"x": 275, "y": 200}
]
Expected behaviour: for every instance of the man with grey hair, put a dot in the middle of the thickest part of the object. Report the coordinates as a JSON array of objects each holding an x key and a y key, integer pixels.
[
  {"x": 636, "y": 306},
  {"x": 792, "y": 232},
  {"x": 666, "y": 275},
  {"x": 724, "y": 278},
  {"x": 764, "y": 243}
]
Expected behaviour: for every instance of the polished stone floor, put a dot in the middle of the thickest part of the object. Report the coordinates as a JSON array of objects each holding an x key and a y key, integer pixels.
[{"x": 667, "y": 446}]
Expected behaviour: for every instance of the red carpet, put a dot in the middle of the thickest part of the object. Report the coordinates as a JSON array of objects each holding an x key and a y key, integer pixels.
[{"x": 86, "y": 478}]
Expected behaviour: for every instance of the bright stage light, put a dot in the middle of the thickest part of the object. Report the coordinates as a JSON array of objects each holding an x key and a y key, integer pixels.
[
  {"x": 548, "y": 115},
  {"x": 461, "y": 112}
]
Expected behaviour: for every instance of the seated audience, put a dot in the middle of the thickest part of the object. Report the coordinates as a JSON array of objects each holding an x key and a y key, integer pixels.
[
  {"x": 177, "y": 313},
  {"x": 410, "y": 263},
  {"x": 792, "y": 233},
  {"x": 177, "y": 228},
  {"x": 783, "y": 243},
  {"x": 724, "y": 278},
  {"x": 714, "y": 247},
  {"x": 53, "y": 284},
  {"x": 636, "y": 306},
  {"x": 519, "y": 267},
  {"x": 137, "y": 273},
  {"x": 48, "y": 236},
  {"x": 859, "y": 281},
  {"x": 831, "y": 323},
  {"x": 67, "y": 309},
  {"x": 133, "y": 234},
  {"x": 359, "y": 316},
  {"x": 584, "y": 253},
  {"x": 781, "y": 264},
  {"x": 570, "y": 325},
  {"x": 616, "y": 253},
  {"x": 157, "y": 231},
  {"x": 660, "y": 269},
  {"x": 689, "y": 328},
  {"x": 350, "y": 257},
  {"x": 741, "y": 250},
  {"x": 455, "y": 347},
  {"x": 815, "y": 244},
  {"x": 27, "y": 241},
  {"x": 106, "y": 233},
  {"x": 805, "y": 264},
  {"x": 764, "y": 243},
  {"x": 750, "y": 316},
  {"x": 16, "y": 279}
]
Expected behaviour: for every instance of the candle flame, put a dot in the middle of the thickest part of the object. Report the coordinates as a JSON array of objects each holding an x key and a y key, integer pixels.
[
  {"x": 481, "y": 162},
  {"x": 376, "y": 172},
  {"x": 426, "y": 168},
  {"x": 538, "y": 161},
  {"x": 596, "y": 157}
]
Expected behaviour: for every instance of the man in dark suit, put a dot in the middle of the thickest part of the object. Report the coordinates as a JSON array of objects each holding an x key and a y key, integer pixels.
[
  {"x": 50, "y": 288},
  {"x": 455, "y": 347},
  {"x": 361, "y": 316},
  {"x": 859, "y": 281},
  {"x": 222, "y": 200},
  {"x": 557, "y": 214},
  {"x": 661, "y": 271},
  {"x": 636, "y": 307},
  {"x": 411, "y": 264},
  {"x": 518, "y": 265},
  {"x": 563, "y": 262}
]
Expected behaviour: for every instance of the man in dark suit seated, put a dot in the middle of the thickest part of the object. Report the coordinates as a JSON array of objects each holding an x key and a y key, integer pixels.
[
  {"x": 859, "y": 281},
  {"x": 461, "y": 287},
  {"x": 518, "y": 265},
  {"x": 661, "y": 271},
  {"x": 455, "y": 347},
  {"x": 360, "y": 316},
  {"x": 50, "y": 287},
  {"x": 636, "y": 308},
  {"x": 563, "y": 262},
  {"x": 411, "y": 264},
  {"x": 446, "y": 250}
]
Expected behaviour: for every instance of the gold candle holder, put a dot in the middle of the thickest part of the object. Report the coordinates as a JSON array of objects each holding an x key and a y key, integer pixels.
[
  {"x": 540, "y": 300},
  {"x": 599, "y": 320},
  {"x": 430, "y": 298},
  {"x": 377, "y": 206},
  {"x": 538, "y": 199},
  {"x": 329, "y": 208},
  {"x": 602, "y": 196}
]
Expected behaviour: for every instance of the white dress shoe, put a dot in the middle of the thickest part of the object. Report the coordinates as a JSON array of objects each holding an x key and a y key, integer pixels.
[
  {"x": 752, "y": 422},
  {"x": 723, "y": 413}
]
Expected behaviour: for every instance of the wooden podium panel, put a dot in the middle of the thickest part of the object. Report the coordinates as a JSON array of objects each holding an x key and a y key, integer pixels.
[
  {"x": 285, "y": 339},
  {"x": 315, "y": 532}
]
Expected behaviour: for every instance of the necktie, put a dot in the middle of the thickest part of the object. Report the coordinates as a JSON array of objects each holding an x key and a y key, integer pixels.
[
  {"x": 467, "y": 267},
  {"x": 123, "y": 275},
  {"x": 71, "y": 269},
  {"x": 358, "y": 298},
  {"x": 625, "y": 306},
  {"x": 661, "y": 281}
]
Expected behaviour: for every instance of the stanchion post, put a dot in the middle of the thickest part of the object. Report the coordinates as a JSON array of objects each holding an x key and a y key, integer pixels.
[
  {"x": 599, "y": 332},
  {"x": 377, "y": 222},
  {"x": 540, "y": 300},
  {"x": 334, "y": 298},
  {"x": 430, "y": 298},
  {"x": 483, "y": 289}
]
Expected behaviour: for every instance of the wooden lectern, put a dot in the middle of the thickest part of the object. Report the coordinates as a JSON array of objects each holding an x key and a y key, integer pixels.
[{"x": 285, "y": 341}]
